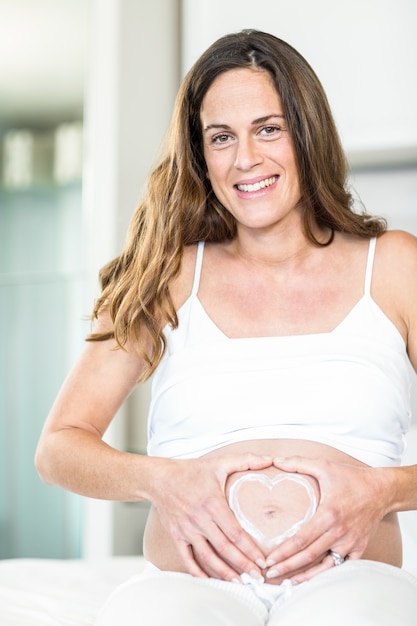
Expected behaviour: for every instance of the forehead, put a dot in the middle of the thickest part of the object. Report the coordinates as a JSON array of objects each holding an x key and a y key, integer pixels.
[{"x": 243, "y": 88}]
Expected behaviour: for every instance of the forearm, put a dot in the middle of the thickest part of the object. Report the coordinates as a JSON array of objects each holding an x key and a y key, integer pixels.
[
  {"x": 79, "y": 461},
  {"x": 401, "y": 485}
]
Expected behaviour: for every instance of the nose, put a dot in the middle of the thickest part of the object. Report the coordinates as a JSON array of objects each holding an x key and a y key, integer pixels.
[{"x": 247, "y": 154}]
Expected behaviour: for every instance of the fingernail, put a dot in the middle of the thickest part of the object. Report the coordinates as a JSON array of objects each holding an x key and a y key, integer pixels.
[
  {"x": 279, "y": 459},
  {"x": 272, "y": 573},
  {"x": 267, "y": 458},
  {"x": 256, "y": 575},
  {"x": 236, "y": 580},
  {"x": 261, "y": 563},
  {"x": 270, "y": 562}
]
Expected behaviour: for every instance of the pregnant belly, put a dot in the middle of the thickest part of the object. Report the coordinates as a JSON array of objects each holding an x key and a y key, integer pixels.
[{"x": 272, "y": 505}]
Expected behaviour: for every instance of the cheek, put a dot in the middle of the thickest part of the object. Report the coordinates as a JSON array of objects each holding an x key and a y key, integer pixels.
[
  {"x": 217, "y": 170},
  {"x": 216, "y": 184},
  {"x": 213, "y": 173},
  {"x": 219, "y": 190}
]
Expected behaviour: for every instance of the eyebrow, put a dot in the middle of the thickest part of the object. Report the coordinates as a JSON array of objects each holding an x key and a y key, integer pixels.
[{"x": 259, "y": 120}]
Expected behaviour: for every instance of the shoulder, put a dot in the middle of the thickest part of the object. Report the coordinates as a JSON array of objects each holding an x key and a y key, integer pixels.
[
  {"x": 395, "y": 281},
  {"x": 395, "y": 238},
  {"x": 396, "y": 265},
  {"x": 396, "y": 250},
  {"x": 215, "y": 257},
  {"x": 182, "y": 285}
]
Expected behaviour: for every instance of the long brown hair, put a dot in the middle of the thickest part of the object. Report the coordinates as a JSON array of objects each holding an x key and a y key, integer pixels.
[{"x": 179, "y": 207}]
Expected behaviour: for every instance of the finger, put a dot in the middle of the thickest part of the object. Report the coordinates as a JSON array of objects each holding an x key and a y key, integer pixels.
[
  {"x": 317, "y": 529},
  {"x": 218, "y": 536},
  {"x": 301, "y": 554},
  {"x": 217, "y": 554},
  {"x": 214, "y": 565},
  {"x": 244, "y": 462},
  {"x": 227, "y": 536},
  {"x": 300, "y": 465},
  {"x": 191, "y": 566},
  {"x": 326, "y": 564},
  {"x": 314, "y": 554},
  {"x": 255, "y": 461},
  {"x": 203, "y": 558},
  {"x": 235, "y": 548},
  {"x": 231, "y": 541}
]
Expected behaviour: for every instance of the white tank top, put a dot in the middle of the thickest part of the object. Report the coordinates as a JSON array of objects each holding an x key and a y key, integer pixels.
[{"x": 349, "y": 388}]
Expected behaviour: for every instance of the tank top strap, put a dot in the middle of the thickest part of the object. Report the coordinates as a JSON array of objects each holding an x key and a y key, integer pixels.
[
  {"x": 369, "y": 266},
  {"x": 198, "y": 266}
]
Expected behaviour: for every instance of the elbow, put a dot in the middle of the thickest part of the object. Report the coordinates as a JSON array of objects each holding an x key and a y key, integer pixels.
[{"x": 43, "y": 463}]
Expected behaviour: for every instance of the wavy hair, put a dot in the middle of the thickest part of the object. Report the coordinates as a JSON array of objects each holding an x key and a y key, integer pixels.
[{"x": 179, "y": 207}]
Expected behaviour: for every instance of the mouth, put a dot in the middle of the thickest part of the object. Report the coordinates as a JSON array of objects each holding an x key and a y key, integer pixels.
[{"x": 258, "y": 186}]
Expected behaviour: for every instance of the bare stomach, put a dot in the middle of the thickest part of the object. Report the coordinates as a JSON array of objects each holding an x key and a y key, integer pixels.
[{"x": 270, "y": 508}]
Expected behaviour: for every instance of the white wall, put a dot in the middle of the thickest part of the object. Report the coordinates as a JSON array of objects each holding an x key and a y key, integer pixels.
[
  {"x": 391, "y": 192},
  {"x": 131, "y": 86},
  {"x": 364, "y": 52}
]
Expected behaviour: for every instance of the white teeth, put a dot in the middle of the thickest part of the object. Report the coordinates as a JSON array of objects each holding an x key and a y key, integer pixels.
[{"x": 258, "y": 186}]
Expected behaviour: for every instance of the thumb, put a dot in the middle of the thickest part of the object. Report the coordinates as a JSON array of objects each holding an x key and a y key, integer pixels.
[
  {"x": 248, "y": 461},
  {"x": 299, "y": 465},
  {"x": 254, "y": 461}
]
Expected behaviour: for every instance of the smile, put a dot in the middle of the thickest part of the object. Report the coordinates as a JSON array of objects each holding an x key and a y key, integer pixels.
[{"x": 262, "y": 184}]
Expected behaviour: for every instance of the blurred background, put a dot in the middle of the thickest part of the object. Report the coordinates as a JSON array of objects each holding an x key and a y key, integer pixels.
[{"x": 86, "y": 92}]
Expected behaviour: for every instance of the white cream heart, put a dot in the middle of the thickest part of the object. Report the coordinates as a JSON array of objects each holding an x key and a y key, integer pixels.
[{"x": 272, "y": 500}]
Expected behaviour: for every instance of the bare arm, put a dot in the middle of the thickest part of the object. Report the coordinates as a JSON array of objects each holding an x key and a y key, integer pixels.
[
  {"x": 189, "y": 494},
  {"x": 71, "y": 453},
  {"x": 355, "y": 500}
]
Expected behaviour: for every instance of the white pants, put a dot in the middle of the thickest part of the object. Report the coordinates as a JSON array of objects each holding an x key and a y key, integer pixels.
[{"x": 359, "y": 593}]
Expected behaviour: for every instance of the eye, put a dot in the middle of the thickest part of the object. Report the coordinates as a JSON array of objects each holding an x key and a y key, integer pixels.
[
  {"x": 270, "y": 131},
  {"x": 221, "y": 139}
]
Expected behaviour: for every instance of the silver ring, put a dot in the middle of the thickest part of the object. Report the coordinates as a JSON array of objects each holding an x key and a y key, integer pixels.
[{"x": 338, "y": 559}]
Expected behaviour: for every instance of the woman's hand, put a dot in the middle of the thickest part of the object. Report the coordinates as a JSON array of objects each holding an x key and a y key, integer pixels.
[
  {"x": 190, "y": 498},
  {"x": 353, "y": 500}
]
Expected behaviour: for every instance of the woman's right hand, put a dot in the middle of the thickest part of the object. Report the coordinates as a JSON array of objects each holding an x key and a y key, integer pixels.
[{"x": 189, "y": 496}]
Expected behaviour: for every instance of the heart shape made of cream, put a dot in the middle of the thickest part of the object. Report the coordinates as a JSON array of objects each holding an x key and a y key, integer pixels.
[{"x": 263, "y": 522}]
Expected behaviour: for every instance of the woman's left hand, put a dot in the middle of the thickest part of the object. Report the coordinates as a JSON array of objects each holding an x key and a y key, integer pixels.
[{"x": 353, "y": 500}]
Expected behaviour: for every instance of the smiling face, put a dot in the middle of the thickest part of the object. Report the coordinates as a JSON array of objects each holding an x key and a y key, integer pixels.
[{"x": 248, "y": 151}]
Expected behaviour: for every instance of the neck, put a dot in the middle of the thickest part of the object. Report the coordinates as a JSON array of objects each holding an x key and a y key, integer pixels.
[{"x": 271, "y": 249}]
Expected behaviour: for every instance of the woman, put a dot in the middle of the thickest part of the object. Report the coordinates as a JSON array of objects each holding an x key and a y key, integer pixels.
[{"x": 277, "y": 322}]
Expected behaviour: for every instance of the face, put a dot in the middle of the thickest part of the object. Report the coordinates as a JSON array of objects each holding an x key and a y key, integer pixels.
[{"x": 248, "y": 151}]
